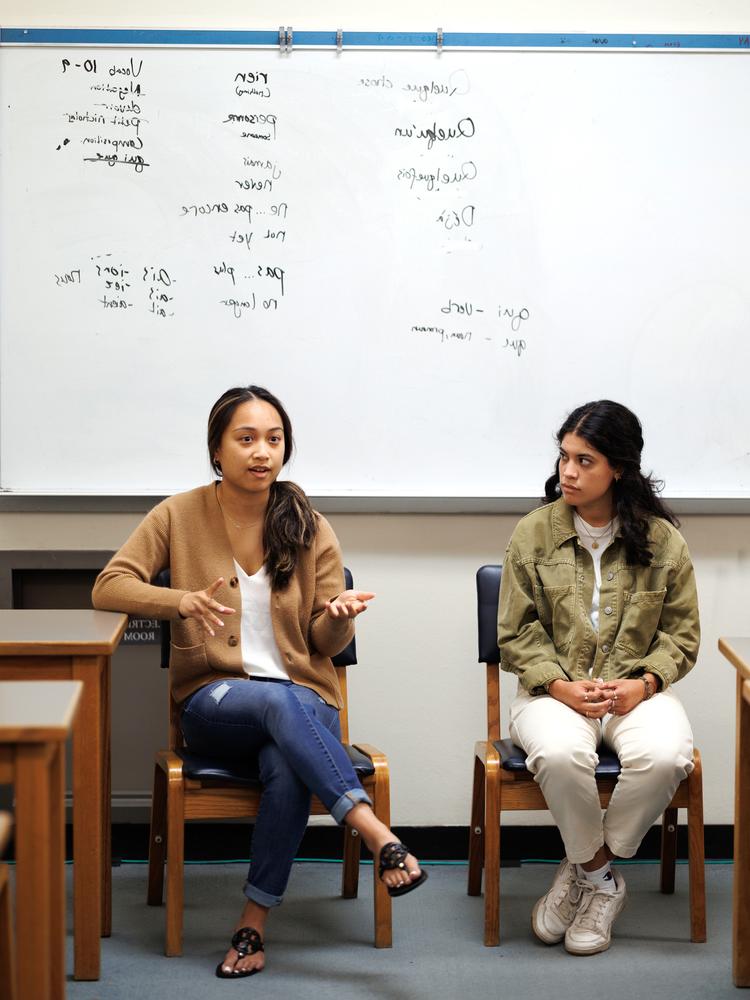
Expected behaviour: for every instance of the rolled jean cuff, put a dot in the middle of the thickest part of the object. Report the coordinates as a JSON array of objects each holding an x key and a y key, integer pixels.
[
  {"x": 347, "y": 801},
  {"x": 256, "y": 895}
]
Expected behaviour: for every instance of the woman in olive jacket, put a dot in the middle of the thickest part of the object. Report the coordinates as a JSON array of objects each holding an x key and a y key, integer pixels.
[
  {"x": 598, "y": 618},
  {"x": 257, "y": 610}
]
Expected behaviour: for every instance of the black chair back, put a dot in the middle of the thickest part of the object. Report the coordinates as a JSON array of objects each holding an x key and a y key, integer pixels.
[
  {"x": 488, "y": 595},
  {"x": 346, "y": 658}
]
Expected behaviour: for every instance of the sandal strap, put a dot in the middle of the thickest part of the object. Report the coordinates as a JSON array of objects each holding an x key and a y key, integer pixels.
[
  {"x": 247, "y": 941},
  {"x": 392, "y": 856}
]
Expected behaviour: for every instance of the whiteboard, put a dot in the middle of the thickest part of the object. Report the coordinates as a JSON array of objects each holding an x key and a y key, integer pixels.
[{"x": 430, "y": 258}]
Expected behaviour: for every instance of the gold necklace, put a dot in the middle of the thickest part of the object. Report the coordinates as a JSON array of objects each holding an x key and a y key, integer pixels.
[
  {"x": 231, "y": 520},
  {"x": 595, "y": 539}
]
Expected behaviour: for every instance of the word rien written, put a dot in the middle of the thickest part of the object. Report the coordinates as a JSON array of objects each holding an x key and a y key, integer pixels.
[
  {"x": 116, "y": 104},
  {"x": 252, "y": 84}
]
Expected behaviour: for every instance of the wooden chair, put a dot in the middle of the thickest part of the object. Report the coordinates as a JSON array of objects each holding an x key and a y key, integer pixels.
[
  {"x": 7, "y": 952},
  {"x": 501, "y": 781},
  {"x": 188, "y": 786}
]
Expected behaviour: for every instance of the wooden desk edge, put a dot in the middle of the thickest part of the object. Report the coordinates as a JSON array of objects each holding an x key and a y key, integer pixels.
[
  {"x": 57, "y": 733},
  {"x": 36, "y": 647},
  {"x": 734, "y": 658}
]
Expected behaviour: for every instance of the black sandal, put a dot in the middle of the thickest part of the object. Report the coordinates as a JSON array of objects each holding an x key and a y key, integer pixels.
[
  {"x": 393, "y": 856},
  {"x": 245, "y": 941}
]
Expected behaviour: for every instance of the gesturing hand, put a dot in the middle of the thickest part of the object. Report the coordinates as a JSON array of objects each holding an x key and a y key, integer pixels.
[
  {"x": 349, "y": 604},
  {"x": 201, "y": 606},
  {"x": 588, "y": 698}
]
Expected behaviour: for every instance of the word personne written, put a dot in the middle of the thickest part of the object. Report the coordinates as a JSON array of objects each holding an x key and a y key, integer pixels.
[
  {"x": 253, "y": 125},
  {"x": 109, "y": 115}
]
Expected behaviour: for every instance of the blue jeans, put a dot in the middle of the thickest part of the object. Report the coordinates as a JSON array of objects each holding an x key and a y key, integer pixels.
[{"x": 297, "y": 740}]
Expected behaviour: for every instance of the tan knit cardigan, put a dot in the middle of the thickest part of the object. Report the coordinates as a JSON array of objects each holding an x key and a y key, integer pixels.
[{"x": 186, "y": 534}]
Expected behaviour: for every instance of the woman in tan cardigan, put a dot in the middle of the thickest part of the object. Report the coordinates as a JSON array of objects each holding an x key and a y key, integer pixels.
[{"x": 256, "y": 596}]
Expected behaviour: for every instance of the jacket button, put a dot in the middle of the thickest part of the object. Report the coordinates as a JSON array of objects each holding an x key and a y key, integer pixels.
[
  {"x": 605, "y": 647},
  {"x": 232, "y": 640},
  {"x": 233, "y": 582},
  {"x": 610, "y": 575},
  {"x": 608, "y": 610}
]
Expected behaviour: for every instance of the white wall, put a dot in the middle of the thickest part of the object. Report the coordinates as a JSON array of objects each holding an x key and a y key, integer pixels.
[{"x": 419, "y": 693}]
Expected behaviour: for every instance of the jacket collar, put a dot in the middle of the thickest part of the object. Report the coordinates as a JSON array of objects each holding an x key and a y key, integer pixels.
[
  {"x": 562, "y": 522},
  {"x": 563, "y": 526}
]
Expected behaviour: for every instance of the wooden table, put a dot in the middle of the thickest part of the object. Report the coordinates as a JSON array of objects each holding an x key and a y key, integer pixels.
[
  {"x": 77, "y": 645},
  {"x": 35, "y": 721},
  {"x": 737, "y": 651}
]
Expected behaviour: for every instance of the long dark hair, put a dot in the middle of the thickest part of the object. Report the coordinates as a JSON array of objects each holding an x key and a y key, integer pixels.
[
  {"x": 290, "y": 520},
  {"x": 616, "y": 432}
]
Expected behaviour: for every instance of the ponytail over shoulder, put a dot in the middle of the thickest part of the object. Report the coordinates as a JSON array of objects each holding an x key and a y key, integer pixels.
[{"x": 290, "y": 525}]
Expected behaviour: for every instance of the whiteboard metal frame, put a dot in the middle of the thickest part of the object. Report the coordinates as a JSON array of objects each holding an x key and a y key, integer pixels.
[
  {"x": 141, "y": 504},
  {"x": 437, "y": 40}
]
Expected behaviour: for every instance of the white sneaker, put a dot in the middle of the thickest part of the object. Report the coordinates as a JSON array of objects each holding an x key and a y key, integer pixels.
[
  {"x": 591, "y": 930},
  {"x": 554, "y": 912}
]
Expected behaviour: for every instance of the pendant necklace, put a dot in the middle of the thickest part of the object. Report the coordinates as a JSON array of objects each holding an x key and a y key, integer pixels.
[{"x": 595, "y": 539}]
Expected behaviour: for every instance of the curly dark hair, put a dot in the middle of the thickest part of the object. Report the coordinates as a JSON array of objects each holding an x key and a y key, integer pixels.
[
  {"x": 616, "y": 432},
  {"x": 290, "y": 521}
]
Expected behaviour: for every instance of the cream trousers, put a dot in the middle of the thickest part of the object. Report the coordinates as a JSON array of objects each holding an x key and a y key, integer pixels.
[{"x": 654, "y": 742}]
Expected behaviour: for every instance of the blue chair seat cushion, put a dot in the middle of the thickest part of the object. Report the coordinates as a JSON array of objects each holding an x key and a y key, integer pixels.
[
  {"x": 513, "y": 758},
  {"x": 227, "y": 771}
]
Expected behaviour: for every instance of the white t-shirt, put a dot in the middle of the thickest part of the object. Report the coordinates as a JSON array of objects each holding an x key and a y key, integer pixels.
[
  {"x": 603, "y": 537},
  {"x": 260, "y": 654}
]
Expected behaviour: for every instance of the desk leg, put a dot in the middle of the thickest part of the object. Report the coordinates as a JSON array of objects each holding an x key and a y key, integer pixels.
[
  {"x": 34, "y": 857},
  {"x": 88, "y": 779},
  {"x": 57, "y": 872},
  {"x": 741, "y": 907},
  {"x": 107, "y": 794}
]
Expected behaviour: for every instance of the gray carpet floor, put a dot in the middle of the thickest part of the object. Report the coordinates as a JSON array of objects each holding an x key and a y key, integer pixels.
[{"x": 319, "y": 945}]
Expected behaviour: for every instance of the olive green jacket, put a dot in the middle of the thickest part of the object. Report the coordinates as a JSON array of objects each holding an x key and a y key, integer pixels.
[{"x": 648, "y": 615}]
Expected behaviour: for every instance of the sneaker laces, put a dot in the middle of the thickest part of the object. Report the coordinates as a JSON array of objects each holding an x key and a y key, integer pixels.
[
  {"x": 592, "y": 905},
  {"x": 563, "y": 899}
]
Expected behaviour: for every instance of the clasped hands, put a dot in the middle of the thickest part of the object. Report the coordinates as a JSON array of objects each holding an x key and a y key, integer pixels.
[
  {"x": 597, "y": 698},
  {"x": 202, "y": 606}
]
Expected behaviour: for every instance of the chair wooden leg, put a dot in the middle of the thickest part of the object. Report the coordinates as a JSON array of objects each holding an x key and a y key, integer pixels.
[
  {"x": 157, "y": 838},
  {"x": 696, "y": 854},
  {"x": 175, "y": 862},
  {"x": 381, "y": 802},
  {"x": 492, "y": 853},
  {"x": 7, "y": 953},
  {"x": 350, "y": 871},
  {"x": 668, "y": 849},
  {"x": 476, "y": 830}
]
